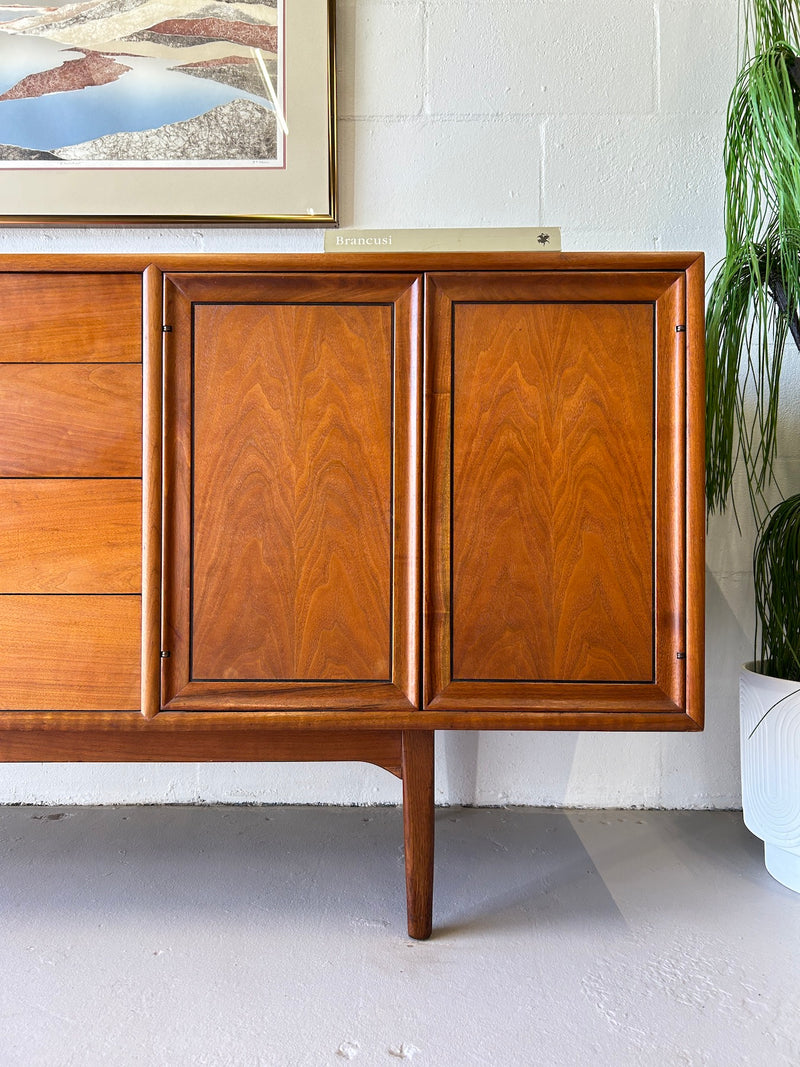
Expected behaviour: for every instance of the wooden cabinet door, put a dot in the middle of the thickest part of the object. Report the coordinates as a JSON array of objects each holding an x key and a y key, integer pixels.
[
  {"x": 291, "y": 468},
  {"x": 556, "y": 498}
]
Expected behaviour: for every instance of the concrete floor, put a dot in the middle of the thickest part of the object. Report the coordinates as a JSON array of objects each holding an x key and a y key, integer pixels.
[{"x": 255, "y": 937}]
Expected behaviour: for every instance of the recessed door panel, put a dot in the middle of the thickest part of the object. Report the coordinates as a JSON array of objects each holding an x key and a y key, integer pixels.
[
  {"x": 552, "y": 538},
  {"x": 292, "y": 515}
]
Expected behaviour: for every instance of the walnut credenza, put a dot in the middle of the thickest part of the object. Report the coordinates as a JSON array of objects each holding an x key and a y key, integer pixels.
[{"x": 318, "y": 507}]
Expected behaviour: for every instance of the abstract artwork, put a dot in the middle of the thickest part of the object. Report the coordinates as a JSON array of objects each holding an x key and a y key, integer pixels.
[{"x": 125, "y": 87}]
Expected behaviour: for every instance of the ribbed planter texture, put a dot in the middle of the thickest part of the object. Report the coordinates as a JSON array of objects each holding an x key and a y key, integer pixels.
[{"x": 770, "y": 712}]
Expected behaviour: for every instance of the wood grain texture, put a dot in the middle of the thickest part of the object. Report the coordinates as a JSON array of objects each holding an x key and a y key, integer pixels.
[
  {"x": 695, "y": 497},
  {"x": 552, "y": 538},
  {"x": 292, "y": 492},
  {"x": 128, "y": 737},
  {"x": 578, "y": 691},
  {"x": 71, "y": 318},
  {"x": 70, "y": 421},
  {"x": 237, "y": 735},
  {"x": 671, "y": 456},
  {"x": 296, "y": 485},
  {"x": 65, "y": 536},
  {"x": 505, "y": 705},
  {"x": 69, "y": 652},
  {"x": 356, "y": 263},
  {"x": 418, "y": 830},
  {"x": 556, "y": 286},
  {"x": 152, "y": 377}
]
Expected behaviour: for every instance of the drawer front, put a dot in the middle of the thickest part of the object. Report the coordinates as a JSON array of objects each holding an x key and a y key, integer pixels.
[
  {"x": 70, "y": 536},
  {"x": 70, "y": 653},
  {"x": 71, "y": 318},
  {"x": 70, "y": 421}
]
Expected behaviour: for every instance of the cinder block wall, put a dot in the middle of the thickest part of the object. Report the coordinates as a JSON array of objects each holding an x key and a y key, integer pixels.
[{"x": 604, "y": 118}]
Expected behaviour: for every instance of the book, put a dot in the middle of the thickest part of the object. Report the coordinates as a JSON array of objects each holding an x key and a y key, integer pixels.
[{"x": 480, "y": 239}]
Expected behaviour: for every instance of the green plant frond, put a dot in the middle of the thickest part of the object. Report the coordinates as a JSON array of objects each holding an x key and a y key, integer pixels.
[
  {"x": 763, "y": 22},
  {"x": 762, "y": 153},
  {"x": 752, "y": 305},
  {"x": 754, "y": 308},
  {"x": 776, "y": 569},
  {"x": 726, "y": 321},
  {"x": 755, "y": 298}
]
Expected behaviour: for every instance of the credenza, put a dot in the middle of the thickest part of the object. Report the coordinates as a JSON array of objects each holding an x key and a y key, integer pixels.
[{"x": 316, "y": 507}]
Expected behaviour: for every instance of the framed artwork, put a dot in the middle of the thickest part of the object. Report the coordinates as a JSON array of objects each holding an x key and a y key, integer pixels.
[{"x": 152, "y": 111}]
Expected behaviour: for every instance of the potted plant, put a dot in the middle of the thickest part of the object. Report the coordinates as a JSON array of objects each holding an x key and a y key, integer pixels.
[{"x": 752, "y": 322}]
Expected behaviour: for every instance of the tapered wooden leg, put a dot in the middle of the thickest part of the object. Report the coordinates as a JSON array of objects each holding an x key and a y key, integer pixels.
[{"x": 418, "y": 830}]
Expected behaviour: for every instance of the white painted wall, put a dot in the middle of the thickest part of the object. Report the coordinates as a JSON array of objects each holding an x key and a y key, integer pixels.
[{"x": 605, "y": 118}]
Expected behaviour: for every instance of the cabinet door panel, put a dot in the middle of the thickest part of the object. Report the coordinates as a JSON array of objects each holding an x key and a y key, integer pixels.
[
  {"x": 77, "y": 421},
  {"x": 290, "y": 560},
  {"x": 293, "y": 495},
  {"x": 556, "y": 493},
  {"x": 549, "y": 582}
]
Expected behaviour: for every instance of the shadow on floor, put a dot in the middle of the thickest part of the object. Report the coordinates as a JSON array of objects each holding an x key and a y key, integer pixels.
[{"x": 494, "y": 869}]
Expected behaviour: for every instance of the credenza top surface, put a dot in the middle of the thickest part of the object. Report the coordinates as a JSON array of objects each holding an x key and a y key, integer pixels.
[{"x": 357, "y": 261}]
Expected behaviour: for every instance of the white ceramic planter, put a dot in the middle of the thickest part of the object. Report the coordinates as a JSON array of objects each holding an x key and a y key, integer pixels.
[{"x": 771, "y": 769}]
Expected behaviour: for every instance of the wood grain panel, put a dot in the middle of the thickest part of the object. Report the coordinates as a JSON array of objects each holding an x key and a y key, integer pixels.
[
  {"x": 552, "y": 536},
  {"x": 65, "y": 536},
  {"x": 69, "y": 653},
  {"x": 71, "y": 318},
  {"x": 292, "y": 491},
  {"x": 70, "y": 421},
  {"x": 589, "y": 686}
]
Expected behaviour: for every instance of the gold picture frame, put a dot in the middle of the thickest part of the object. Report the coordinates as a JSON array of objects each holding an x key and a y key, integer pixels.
[{"x": 288, "y": 117}]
